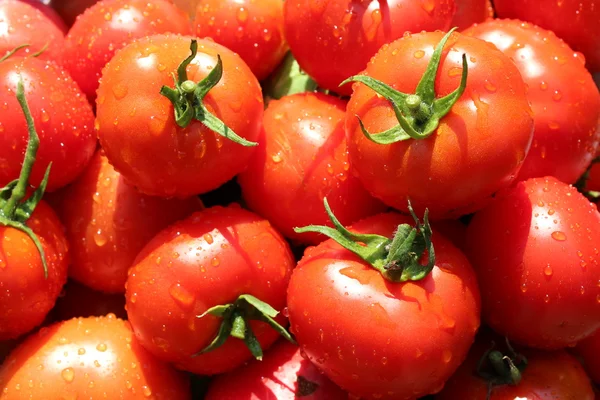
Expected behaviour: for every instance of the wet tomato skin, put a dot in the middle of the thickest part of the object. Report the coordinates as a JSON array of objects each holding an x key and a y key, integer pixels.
[
  {"x": 535, "y": 250},
  {"x": 302, "y": 157},
  {"x": 251, "y": 28},
  {"x": 469, "y": 12},
  {"x": 108, "y": 26},
  {"x": 27, "y": 296},
  {"x": 93, "y": 357},
  {"x": 208, "y": 259},
  {"x": 108, "y": 222},
  {"x": 48, "y": 12},
  {"x": 351, "y": 322},
  {"x": 136, "y": 124},
  {"x": 564, "y": 99}
]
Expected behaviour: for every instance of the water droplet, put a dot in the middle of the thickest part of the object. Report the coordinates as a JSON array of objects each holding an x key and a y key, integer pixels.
[
  {"x": 119, "y": 90},
  {"x": 101, "y": 347},
  {"x": 543, "y": 85},
  {"x": 68, "y": 374},
  {"x": 417, "y": 54},
  {"x": 557, "y": 95},
  {"x": 182, "y": 296},
  {"x": 553, "y": 125},
  {"x": 384, "y": 360},
  {"x": 454, "y": 71},
  {"x": 81, "y": 351},
  {"x": 242, "y": 14},
  {"x": 490, "y": 87},
  {"x": 428, "y": 6},
  {"x": 215, "y": 262},
  {"x": 524, "y": 287},
  {"x": 551, "y": 212},
  {"x": 146, "y": 391},
  {"x": 548, "y": 270},
  {"x": 209, "y": 239},
  {"x": 582, "y": 290},
  {"x": 276, "y": 158},
  {"x": 99, "y": 238},
  {"x": 447, "y": 356},
  {"x": 558, "y": 235},
  {"x": 108, "y": 16}
]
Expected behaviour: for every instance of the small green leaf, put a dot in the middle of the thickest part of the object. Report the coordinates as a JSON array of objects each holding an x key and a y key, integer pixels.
[
  {"x": 288, "y": 79},
  {"x": 426, "y": 87}
]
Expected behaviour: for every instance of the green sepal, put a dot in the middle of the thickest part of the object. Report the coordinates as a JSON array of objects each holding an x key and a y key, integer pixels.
[
  {"x": 418, "y": 114},
  {"x": 235, "y": 323},
  {"x": 187, "y": 98},
  {"x": 397, "y": 259},
  {"x": 288, "y": 79},
  {"x": 498, "y": 369}
]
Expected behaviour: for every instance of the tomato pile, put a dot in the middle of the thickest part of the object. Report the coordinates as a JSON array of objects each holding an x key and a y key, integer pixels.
[{"x": 299, "y": 199}]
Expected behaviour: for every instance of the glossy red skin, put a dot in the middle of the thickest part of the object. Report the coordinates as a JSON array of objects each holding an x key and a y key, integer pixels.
[
  {"x": 302, "y": 157},
  {"x": 347, "y": 33},
  {"x": 469, "y": 12},
  {"x": 24, "y": 24},
  {"x": 146, "y": 145},
  {"x": 473, "y": 153},
  {"x": 535, "y": 249},
  {"x": 26, "y": 296},
  {"x": 382, "y": 340},
  {"x": 208, "y": 259},
  {"x": 108, "y": 222},
  {"x": 91, "y": 358},
  {"x": 548, "y": 376},
  {"x": 48, "y": 12},
  {"x": 251, "y": 28},
  {"x": 77, "y": 300},
  {"x": 69, "y": 10},
  {"x": 110, "y": 25},
  {"x": 63, "y": 119},
  {"x": 589, "y": 350},
  {"x": 562, "y": 94},
  {"x": 274, "y": 378},
  {"x": 575, "y": 21}
]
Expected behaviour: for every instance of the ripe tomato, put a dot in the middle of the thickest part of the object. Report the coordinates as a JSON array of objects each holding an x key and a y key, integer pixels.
[
  {"x": 251, "y": 28},
  {"x": 91, "y": 358},
  {"x": 535, "y": 250},
  {"x": 380, "y": 339},
  {"x": 110, "y": 25},
  {"x": 48, "y": 12},
  {"x": 283, "y": 375},
  {"x": 108, "y": 222},
  {"x": 77, "y": 301},
  {"x": 137, "y": 127},
  {"x": 26, "y": 295},
  {"x": 574, "y": 21},
  {"x": 593, "y": 182},
  {"x": 347, "y": 33},
  {"x": 23, "y": 24},
  {"x": 562, "y": 94},
  {"x": 547, "y": 376},
  {"x": 69, "y": 10},
  {"x": 469, "y": 12},
  {"x": 303, "y": 149},
  {"x": 477, "y": 148},
  {"x": 208, "y": 259},
  {"x": 589, "y": 350},
  {"x": 63, "y": 118}
]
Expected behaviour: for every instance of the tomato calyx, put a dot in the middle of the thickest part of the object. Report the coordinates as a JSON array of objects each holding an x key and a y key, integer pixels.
[
  {"x": 418, "y": 114},
  {"x": 288, "y": 79},
  {"x": 397, "y": 259},
  {"x": 582, "y": 182},
  {"x": 498, "y": 369},
  {"x": 187, "y": 98},
  {"x": 14, "y": 210},
  {"x": 236, "y": 317},
  {"x": 305, "y": 387}
]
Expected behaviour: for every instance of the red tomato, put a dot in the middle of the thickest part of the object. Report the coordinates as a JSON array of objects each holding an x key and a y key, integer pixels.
[
  {"x": 137, "y": 126},
  {"x": 593, "y": 182},
  {"x": 469, "y": 12},
  {"x": 92, "y": 358},
  {"x": 251, "y": 28},
  {"x": 535, "y": 250},
  {"x": 108, "y": 223},
  {"x": 303, "y": 149},
  {"x": 23, "y": 24},
  {"x": 69, "y": 10},
  {"x": 63, "y": 118},
  {"x": 345, "y": 34},
  {"x": 589, "y": 350},
  {"x": 208, "y": 259},
  {"x": 561, "y": 91},
  {"x": 110, "y": 25},
  {"x": 48, "y": 12},
  {"x": 477, "y": 148},
  {"x": 27, "y": 296},
  {"x": 575, "y": 21},
  {"x": 547, "y": 376},
  {"x": 376, "y": 338},
  {"x": 283, "y": 375},
  {"x": 77, "y": 300}
]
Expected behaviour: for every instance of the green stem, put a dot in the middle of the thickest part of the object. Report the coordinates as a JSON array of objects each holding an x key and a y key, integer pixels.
[{"x": 12, "y": 52}]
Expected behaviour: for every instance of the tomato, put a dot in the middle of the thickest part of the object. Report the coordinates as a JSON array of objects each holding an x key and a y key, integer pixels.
[
  {"x": 547, "y": 376},
  {"x": 69, "y": 10},
  {"x": 575, "y": 21},
  {"x": 303, "y": 149},
  {"x": 562, "y": 94},
  {"x": 377, "y": 338},
  {"x": 48, "y": 12},
  {"x": 535, "y": 250},
  {"x": 208, "y": 259},
  {"x": 283, "y": 375},
  {"x": 77, "y": 300},
  {"x": 589, "y": 350},
  {"x": 108, "y": 222},
  {"x": 88, "y": 358},
  {"x": 469, "y": 12},
  {"x": 251, "y": 28},
  {"x": 63, "y": 118},
  {"x": 476, "y": 148},
  {"x": 110, "y": 25},
  {"x": 593, "y": 182},
  {"x": 347, "y": 33},
  {"x": 26, "y": 295},
  {"x": 23, "y": 24},
  {"x": 137, "y": 127}
]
